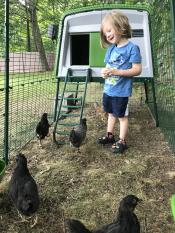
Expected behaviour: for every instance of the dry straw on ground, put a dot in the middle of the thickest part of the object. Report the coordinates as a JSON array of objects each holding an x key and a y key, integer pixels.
[{"x": 89, "y": 185}]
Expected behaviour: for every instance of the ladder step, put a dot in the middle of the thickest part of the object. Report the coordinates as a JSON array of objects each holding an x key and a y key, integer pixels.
[
  {"x": 66, "y": 133},
  {"x": 72, "y": 98},
  {"x": 62, "y": 142},
  {"x": 71, "y": 106},
  {"x": 68, "y": 124},
  {"x": 78, "y": 83},
  {"x": 73, "y": 91},
  {"x": 74, "y": 76},
  {"x": 77, "y": 80},
  {"x": 70, "y": 115}
]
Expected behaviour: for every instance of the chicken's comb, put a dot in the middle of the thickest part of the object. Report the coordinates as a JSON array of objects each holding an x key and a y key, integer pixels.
[{"x": 173, "y": 205}]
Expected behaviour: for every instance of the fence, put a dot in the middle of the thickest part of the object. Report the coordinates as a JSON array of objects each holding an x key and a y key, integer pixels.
[
  {"x": 20, "y": 62},
  {"x": 165, "y": 78},
  {"x": 28, "y": 89},
  {"x": 27, "y": 82}
]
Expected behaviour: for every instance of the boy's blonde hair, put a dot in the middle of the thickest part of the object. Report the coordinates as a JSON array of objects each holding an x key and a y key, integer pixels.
[{"x": 119, "y": 22}]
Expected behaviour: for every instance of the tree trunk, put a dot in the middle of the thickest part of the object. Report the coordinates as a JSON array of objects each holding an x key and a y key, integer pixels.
[
  {"x": 28, "y": 41},
  {"x": 37, "y": 38}
]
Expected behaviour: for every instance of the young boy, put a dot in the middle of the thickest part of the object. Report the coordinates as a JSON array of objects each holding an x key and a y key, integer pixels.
[{"x": 123, "y": 61}]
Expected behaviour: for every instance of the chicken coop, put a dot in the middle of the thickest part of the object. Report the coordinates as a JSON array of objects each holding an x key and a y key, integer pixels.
[
  {"x": 79, "y": 47},
  {"x": 49, "y": 75},
  {"x": 80, "y": 56}
]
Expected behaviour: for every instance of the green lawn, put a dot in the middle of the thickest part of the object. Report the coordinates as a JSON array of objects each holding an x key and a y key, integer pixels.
[{"x": 16, "y": 79}]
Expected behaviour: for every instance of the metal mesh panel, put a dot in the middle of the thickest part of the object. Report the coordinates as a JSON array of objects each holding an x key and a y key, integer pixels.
[
  {"x": 31, "y": 79},
  {"x": 2, "y": 96},
  {"x": 164, "y": 78},
  {"x": 32, "y": 87}
]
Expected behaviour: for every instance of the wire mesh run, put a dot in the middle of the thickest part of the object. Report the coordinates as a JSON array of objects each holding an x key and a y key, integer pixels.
[
  {"x": 32, "y": 81},
  {"x": 32, "y": 84}
]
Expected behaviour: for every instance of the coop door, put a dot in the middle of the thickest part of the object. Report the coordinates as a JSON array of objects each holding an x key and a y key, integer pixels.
[
  {"x": 86, "y": 50},
  {"x": 96, "y": 53},
  {"x": 80, "y": 49}
]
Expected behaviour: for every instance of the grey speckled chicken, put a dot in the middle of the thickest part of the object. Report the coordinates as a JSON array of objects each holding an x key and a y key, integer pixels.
[
  {"x": 78, "y": 134},
  {"x": 23, "y": 189},
  {"x": 126, "y": 221}
]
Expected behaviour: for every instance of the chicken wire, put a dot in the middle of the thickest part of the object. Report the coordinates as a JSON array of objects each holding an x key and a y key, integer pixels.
[
  {"x": 31, "y": 83},
  {"x": 32, "y": 89},
  {"x": 163, "y": 37},
  {"x": 2, "y": 77},
  {"x": 1, "y": 115}
]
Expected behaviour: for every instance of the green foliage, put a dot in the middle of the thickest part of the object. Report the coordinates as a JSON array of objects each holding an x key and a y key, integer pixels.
[{"x": 51, "y": 11}]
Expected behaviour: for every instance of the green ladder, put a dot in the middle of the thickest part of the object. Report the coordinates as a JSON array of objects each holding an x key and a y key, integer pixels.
[{"x": 70, "y": 115}]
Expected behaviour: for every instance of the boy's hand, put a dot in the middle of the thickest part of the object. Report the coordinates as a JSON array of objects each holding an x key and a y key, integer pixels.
[{"x": 106, "y": 72}]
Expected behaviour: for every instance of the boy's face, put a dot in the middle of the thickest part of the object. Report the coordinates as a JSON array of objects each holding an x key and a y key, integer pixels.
[{"x": 110, "y": 33}]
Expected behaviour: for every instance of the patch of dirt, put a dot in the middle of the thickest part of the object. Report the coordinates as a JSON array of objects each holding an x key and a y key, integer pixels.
[{"x": 89, "y": 185}]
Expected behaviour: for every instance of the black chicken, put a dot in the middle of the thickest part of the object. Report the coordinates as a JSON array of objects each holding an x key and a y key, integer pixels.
[
  {"x": 78, "y": 134},
  {"x": 42, "y": 128},
  {"x": 126, "y": 221},
  {"x": 23, "y": 190}
]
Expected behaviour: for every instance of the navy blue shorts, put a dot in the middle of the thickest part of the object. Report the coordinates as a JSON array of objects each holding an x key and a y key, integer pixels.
[{"x": 115, "y": 105}]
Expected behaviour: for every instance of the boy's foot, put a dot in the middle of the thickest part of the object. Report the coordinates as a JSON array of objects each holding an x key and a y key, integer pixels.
[
  {"x": 109, "y": 139},
  {"x": 119, "y": 146}
]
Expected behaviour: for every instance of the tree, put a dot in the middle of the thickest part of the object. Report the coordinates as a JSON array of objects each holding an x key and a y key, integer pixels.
[{"x": 31, "y": 8}]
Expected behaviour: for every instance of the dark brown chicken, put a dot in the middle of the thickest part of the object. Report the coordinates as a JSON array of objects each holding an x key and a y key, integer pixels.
[
  {"x": 42, "y": 128},
  {"x": 23, "y": 189},
  {"x": 126, "y": 221},
  {"x": 78, "y": 134}
]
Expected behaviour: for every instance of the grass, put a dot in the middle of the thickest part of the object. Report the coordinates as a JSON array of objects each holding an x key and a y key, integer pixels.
[{"x": 30, "y": 96}]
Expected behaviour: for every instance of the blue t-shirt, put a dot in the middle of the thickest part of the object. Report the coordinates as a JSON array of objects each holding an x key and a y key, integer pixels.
[{"x": 121, "y": 58}]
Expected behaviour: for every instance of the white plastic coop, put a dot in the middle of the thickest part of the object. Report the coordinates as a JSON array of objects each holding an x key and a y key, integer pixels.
[{"x": 80, "y": 47}]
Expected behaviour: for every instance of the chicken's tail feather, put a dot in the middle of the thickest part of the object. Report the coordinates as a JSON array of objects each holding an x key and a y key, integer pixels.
[{"x": 76, "y": 226}]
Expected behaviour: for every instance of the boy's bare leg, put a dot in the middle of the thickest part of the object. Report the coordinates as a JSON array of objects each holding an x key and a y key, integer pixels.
[
  {"x": 109, "y": 138},
  {"x": 111, "y": 123},
  {"x": 123, "y": 127}
]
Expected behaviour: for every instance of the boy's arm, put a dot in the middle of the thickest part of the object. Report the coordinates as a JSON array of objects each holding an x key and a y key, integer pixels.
[{"x": 134, "y": 71}]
